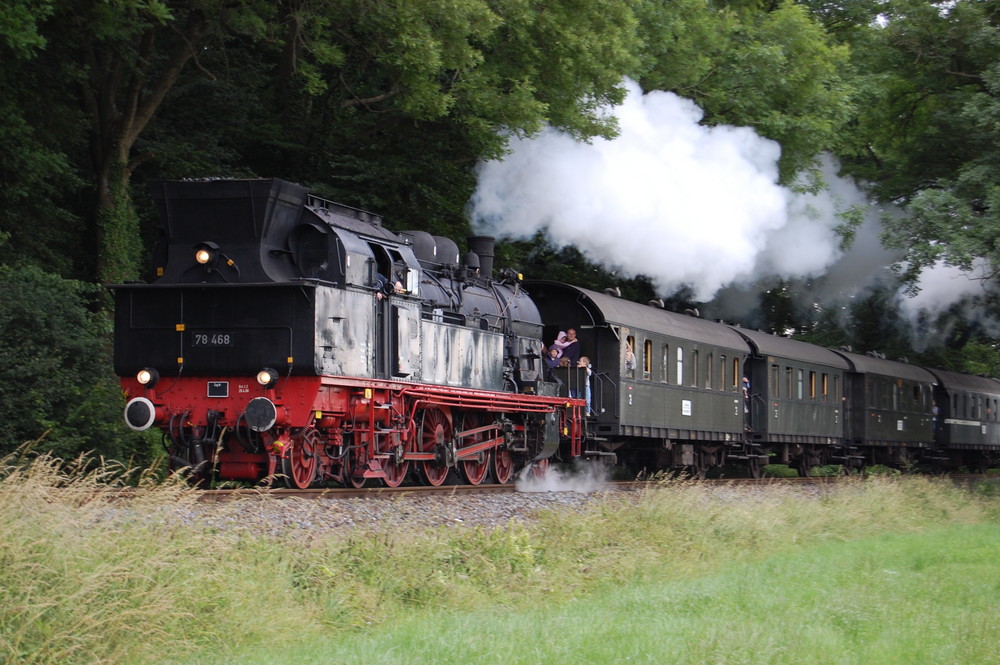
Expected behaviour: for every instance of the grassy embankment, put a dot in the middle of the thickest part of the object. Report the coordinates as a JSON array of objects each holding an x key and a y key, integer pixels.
[{"x": 887, "y": 570}]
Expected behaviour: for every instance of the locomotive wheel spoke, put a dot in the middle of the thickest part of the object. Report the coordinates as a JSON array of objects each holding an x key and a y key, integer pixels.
[
  {"x": 501, "y": 465},
  {"x": 435, "y": 430},
  {"x": 475, "y": 469},
  {"x": 395, "y": 472},
  {"x": 302, "y": 461}
]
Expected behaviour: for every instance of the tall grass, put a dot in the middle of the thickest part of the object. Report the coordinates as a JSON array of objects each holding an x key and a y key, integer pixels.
[{"x": 86, "y": 577}]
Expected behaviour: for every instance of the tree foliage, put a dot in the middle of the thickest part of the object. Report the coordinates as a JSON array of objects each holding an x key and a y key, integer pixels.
[
  {"x": 774, "y": 69},
  {"x": 56, "y": 384},
  {"x": 927, "y": 135}
]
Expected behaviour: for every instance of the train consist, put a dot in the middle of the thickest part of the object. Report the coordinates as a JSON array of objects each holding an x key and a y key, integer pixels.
[{"x": 289, "y": 337}]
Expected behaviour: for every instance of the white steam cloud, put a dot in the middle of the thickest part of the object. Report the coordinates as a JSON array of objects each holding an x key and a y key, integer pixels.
[
  {"x": 696, "y": 206},
  {"x": 668, "y": 198}
]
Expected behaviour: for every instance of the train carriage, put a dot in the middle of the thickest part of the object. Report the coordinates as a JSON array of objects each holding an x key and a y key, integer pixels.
[
  {"x": 796, "y": 391},
  {"x": 677, "y": 403},
  {"x": 888, "y": 409},
  {"x": 967, "y": 423}
]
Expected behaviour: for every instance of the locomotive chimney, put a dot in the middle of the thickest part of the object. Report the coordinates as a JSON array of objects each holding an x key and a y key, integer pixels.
[{"x": 482, "y": 246}]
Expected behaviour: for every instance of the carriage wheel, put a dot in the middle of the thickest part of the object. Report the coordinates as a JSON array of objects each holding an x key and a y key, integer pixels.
[
  {"x": 699, "y": 470},
  {"x": 501, "y": 465},
  {"x": 434, "y": 431},
  {"x": 475, "y": 469},
  {"x": 755, "y": 466},
  {"x": 302, "y": 461}
]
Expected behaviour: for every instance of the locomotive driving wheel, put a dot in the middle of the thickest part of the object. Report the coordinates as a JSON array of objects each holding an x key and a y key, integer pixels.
[
  {"x": 501, "y": 465},
  {"x": 302, "y": 461},
  {"x": 435, "y": 431},
  {"x": 355, "y": 463},
  {"x": 395, "y": 467},
  {"x": 475, "y": 469}
]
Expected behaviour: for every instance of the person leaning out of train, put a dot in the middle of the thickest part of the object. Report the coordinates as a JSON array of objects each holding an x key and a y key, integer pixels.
[
  {"x": 584, "y": 362},
  {"x": 572, "y": 349},
  {"x": 551, "y": 362},
  {"x": 629, "y": 360},
  {"x": 381, "y": 284},
  {"x": 561, "y": 343}
]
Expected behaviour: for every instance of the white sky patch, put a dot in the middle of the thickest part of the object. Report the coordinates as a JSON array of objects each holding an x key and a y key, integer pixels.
[{"x": 679, "y": 202}]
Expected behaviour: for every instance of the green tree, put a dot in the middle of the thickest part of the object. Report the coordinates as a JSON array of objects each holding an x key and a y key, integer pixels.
[
  {"x": 770, "y": 66},
  {"x": 56, "y": 385},
  {"x": 928, "y": 133}
]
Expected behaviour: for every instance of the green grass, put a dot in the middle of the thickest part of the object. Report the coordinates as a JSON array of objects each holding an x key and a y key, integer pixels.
[
  {"x": 912, "y": 598},
  {"x": 883, "y": 570}
]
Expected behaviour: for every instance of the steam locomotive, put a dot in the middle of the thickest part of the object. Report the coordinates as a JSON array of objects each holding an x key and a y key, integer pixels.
[{"x": 290, "y": 337}]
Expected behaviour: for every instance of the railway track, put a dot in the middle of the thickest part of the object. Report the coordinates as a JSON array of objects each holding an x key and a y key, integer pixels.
[{"x": 222, "y": 495}]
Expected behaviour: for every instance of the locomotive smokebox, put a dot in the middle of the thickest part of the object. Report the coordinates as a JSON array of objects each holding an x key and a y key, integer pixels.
[{"x": 482, "y": 246}]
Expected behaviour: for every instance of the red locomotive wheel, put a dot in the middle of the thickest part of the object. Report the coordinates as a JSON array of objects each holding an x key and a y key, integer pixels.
[
  {"x": 302, "y": 461},
  {"x": 475, "y": 469},
  {"x": 395, "y": 472},
  {"x": 355, "y": 463},
  {"x": 502, "y": 465},
  {"x": 539, "y": 469},
  {"x": 435, "y": 430}
]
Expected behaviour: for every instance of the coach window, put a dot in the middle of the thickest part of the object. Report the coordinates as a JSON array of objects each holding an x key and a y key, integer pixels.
[
  {"x": 800, "y": 386},
  {"x": 870, "y": 386},
  {"x": 736, "y": 373},
  {"x": 826, "y": 386},
  {"x": 665, "y": 362},
  {"x": 680, "y": 366},
  {"x": 775, "y": 376},
  {"x": 722, "y": 373},
  {"x": 836, "y": 388},
  {"x": 812, "y": 385},
  {"x": 977, "y": 407},
  {"x": 895, "y": 397},
  {"x": 694, "y": 368},
  {"x": 647, "y": 359}
]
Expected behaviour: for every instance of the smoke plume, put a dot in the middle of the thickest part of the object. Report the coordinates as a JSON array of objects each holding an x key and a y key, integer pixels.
[{"x": 690, "y": 205}]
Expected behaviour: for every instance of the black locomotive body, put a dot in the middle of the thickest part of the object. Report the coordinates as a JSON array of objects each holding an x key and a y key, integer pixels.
[{"x": 289, "y": 336}]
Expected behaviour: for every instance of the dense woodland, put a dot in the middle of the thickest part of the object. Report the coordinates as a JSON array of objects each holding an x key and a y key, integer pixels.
[{"x": 388, "y": 105}]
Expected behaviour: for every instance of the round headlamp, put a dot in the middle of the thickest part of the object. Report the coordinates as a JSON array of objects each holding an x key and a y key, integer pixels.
[
  {"x": 267, "y": 377},
  {"x": 147, "y": 376},
  {"x": 206, "y": 253}
]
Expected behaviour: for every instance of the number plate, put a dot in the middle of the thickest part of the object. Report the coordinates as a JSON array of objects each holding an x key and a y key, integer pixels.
[
  {"x": 218, "y": 389},
  {"x": 212, "y": 339}
]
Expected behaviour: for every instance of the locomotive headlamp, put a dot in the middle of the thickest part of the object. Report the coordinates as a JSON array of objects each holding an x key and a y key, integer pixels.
[
  {"x": 267, "y": 377},
  {"x": 206, "y": 253},
  {"x": 147, "y": 376}
]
